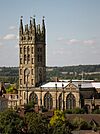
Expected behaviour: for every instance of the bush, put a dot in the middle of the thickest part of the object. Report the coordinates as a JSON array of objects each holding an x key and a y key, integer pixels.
[
  {"x": 75, "y": 111},
  {"x": 78, "y": 111},
  {"x": 97, "y": 111}
]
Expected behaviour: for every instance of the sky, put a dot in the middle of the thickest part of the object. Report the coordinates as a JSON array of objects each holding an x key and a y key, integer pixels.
[{"x": 72, "y": 30}]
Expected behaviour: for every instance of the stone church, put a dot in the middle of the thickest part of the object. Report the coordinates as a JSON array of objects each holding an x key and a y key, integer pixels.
[{"x": 32, "y": 75}]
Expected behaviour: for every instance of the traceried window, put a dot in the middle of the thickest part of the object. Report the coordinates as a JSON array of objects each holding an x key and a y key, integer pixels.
[
  {"x": 70, "y": 101},
  {"x": 48, "y": 101},
  {"x": 33, "y": 97},
  {"x": 60, "y": 101}
]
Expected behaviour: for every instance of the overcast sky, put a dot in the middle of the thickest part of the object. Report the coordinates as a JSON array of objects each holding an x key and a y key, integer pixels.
[{"x": 73, "y": 30}]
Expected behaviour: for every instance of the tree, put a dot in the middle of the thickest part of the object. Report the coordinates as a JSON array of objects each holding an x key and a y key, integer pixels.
[
  {"x": 36, "y": 123},
  {"x": 10, "y": 123},
  {"x": 58, "y": 124},
  {"x": 80, "y": 124}
]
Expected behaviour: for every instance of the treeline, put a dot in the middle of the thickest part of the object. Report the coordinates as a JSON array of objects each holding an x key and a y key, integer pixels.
[
  {"x": 10, "y": 74},
  {"x": 74, "y": 72}
]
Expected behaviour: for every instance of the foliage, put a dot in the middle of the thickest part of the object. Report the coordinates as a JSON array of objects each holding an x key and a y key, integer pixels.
[
  {"x": 36, "y": 123},
  {"x": 58, "y": 117},
  {"x": 10, "y": 74},
  {"x": 30, "y": 105},
  {"x": 80, "y": 124},
  {"x": 78, "y": 111},
  {"x": 75, "y": 111},
  {"x": 97, "y": 111},
  {"x": 10, "y": 123},
  {"x": 58, "y": 124},
  {"x": 11, "y": 88}
]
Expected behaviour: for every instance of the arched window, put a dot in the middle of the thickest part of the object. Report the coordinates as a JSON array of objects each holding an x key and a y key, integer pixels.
[
  {"x": 60, "y": 101},
  {"x": 24, "y": 49},
  {"x": 25, "y": 59},
  {"x": 70, "y": 101},
  {"x": 28, "y": 49},
  {"x": 32, "y": 50},
  {"x": 48, "y": 102},
  {"x": 33, "y": 97},
  {"x": 28, "y": 58}
]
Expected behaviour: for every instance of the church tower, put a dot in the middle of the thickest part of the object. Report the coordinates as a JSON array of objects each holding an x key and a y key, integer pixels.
[{"x": 32, "y": 58}]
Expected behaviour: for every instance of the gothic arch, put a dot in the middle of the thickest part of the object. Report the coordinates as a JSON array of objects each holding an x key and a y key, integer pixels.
[
  {"x": 48, "y": 101},
  {"x": 28, "y": 49},
  {"x": 24, "y": 49},
  {"x": 70, "y": 101},
  {"x": 33, "y": 97},
  {"x": 60, "y": 101}
]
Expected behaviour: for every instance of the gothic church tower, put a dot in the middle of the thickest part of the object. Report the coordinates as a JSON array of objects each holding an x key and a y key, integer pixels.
[{"x": 32, "y": 59}]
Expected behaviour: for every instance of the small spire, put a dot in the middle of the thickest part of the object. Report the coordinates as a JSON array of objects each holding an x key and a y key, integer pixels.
[
  {"x": 31, "y": 24},
  {"x": 21, "y": 25},
  {"x": 43, "y": 26},
  {"x": 34, "y": 21}
]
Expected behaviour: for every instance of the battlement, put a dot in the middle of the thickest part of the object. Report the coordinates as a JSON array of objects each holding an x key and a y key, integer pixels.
[{"x": 32, "y": 32}]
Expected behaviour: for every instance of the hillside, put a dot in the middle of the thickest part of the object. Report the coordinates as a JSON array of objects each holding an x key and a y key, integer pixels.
[{"x": 10, "y": 74}]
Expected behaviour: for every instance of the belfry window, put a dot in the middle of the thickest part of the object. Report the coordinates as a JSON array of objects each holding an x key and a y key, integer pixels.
[
  {"x": 24, "y": 50},
  {"x": 28, "y": 57},
  {"x": 28, "y": 49},
  {"x": 32, "y": 50},
  {"x": 24, "y": 57}
]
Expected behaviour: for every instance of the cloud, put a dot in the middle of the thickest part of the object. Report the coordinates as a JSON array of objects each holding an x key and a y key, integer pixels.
[
  {"x": 59, "y": 51},
  {"x": 60, "y": 39},
  {"x": 89, "y": 42},
  {"x": 77, "y": 41},
  {"x": 10, "y": 37},
  {"x": 72, "y": 41},
  {"x": 12, "y": 27}
]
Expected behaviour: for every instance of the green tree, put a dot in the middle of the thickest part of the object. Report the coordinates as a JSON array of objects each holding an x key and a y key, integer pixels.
[
  {"x": 78, "y": 111},
  {"x": 80, "y": 124},
  {"x": 59, "y": 125},
  {"x": 11, "y": 123},
  {"x": 58, "y": 117},
  {"x": 36, "y": 123}
]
